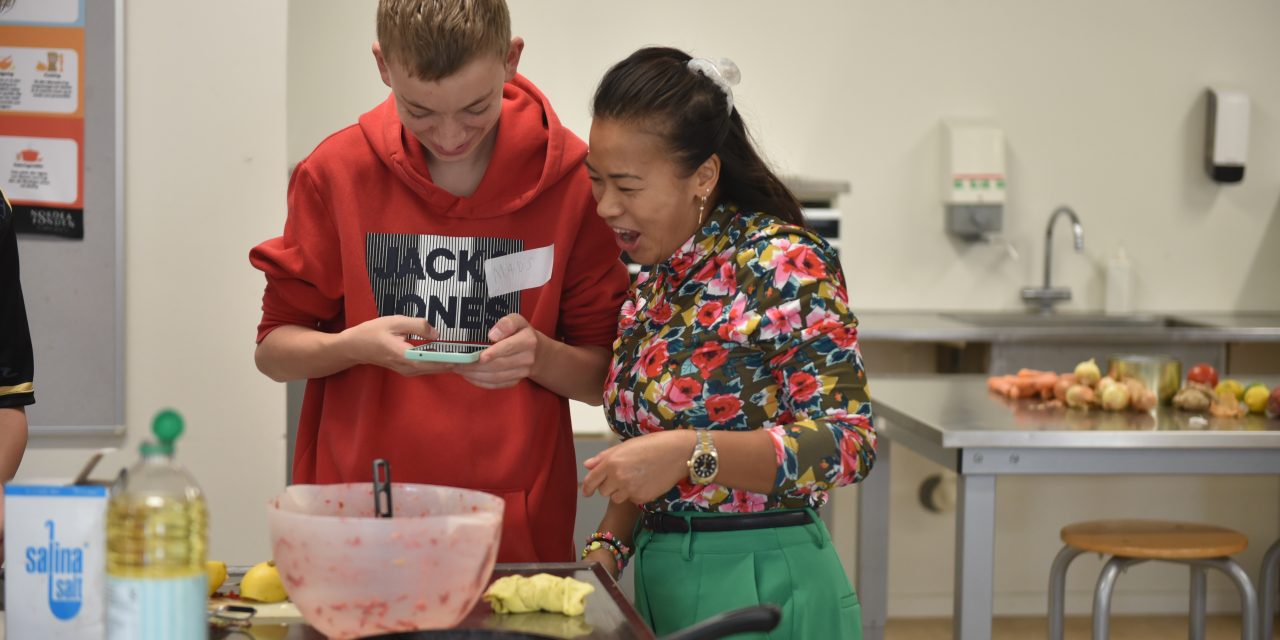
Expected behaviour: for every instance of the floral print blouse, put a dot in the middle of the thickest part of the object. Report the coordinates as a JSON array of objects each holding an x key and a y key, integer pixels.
[{"x": 747, "y": 327}]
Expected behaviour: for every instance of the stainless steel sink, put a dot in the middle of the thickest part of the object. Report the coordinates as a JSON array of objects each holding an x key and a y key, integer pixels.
[{"x": 1013, "y": 319}]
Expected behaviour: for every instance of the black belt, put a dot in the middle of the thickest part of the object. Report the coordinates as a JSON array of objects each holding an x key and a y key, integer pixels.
[{"x": 661, "y": 522}]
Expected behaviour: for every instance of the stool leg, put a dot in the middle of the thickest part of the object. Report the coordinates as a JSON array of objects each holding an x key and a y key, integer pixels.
[
  {"x": 1267, "y": 594},
  {"x": 1058, "y": 589},
  {"x": 1102, "y": 595},
  {"x": 1248, "y": 597},
  {"x": 1196, "y": 620}
]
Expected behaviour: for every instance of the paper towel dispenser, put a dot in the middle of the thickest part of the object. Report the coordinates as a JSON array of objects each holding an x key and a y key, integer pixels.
[{"x": 975, "y": 179}]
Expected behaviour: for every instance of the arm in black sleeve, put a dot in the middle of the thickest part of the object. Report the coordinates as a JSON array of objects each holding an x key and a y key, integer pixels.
[{"x": 16, "y": 362}]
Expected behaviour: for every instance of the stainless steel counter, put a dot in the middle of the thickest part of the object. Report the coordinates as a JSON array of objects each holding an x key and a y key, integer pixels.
[
  {"x": 957, "y": 411},
  {"x": 954, "y": 421},
  {"x": 1014, "y": 326}
]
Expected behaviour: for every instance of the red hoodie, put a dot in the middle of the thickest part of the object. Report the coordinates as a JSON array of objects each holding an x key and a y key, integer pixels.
[{"x": 369, "y": 234}]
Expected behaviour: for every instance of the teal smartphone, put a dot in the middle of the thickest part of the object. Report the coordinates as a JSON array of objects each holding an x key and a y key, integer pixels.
[{"x": 451, "y": 352}]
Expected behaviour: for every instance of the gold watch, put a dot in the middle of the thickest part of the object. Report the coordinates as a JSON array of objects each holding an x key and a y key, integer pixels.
[{"x": 704, "y": 464}]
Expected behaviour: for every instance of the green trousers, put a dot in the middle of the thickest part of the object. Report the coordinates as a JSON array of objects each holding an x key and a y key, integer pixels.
[{"x": 683, "y": 578}]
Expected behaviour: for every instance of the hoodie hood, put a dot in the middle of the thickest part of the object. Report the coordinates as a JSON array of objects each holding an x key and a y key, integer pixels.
[{"x": 532, "y": 153}]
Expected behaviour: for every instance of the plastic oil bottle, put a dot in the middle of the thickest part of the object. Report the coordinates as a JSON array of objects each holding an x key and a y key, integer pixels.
[{"x": 156, "y": 583}]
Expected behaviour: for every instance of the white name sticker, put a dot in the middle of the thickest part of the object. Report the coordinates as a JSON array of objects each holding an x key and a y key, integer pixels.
[{"x": 518, "y": 271}]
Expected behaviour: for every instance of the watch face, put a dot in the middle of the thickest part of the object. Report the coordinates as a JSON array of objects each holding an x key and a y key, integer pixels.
[{"x": 704, "y": 465}]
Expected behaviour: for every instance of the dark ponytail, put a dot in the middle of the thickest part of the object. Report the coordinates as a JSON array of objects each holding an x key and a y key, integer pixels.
[{"x": 654, "y": 88}]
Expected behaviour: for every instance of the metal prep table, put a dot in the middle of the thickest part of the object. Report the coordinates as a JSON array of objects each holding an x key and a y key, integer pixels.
[{"x": 954, "y": 421}]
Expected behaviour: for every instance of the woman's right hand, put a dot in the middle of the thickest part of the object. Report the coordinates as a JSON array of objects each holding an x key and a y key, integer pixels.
[
  {"x": 383, "y": 341},
  {"x": 606, "y": 560}
]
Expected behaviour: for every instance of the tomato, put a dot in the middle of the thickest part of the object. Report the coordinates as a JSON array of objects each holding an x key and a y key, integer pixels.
[{"x": 1204, "y": 374}]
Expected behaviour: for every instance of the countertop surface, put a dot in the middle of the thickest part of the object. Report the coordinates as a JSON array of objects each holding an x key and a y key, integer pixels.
[
  {"x": 957, "y": 411},
  {"x": 609, "y": 615},
  {"x": 1067, "y": 326}
]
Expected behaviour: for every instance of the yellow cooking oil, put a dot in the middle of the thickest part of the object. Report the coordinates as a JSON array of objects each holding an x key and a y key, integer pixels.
[{"x": 156, "y": 540}]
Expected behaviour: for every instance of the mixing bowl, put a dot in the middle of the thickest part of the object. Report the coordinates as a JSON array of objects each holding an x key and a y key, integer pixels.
[{"x": 352, "y": 575}]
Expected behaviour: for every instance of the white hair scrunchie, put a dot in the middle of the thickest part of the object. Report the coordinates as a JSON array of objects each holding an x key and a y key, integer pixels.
[{"x": 723, "y": 72}]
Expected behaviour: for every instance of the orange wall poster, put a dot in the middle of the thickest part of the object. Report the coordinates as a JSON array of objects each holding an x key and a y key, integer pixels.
[{"x": 42, "y": 115}]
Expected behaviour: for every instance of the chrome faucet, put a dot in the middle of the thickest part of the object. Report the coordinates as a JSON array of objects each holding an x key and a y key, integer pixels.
[{"x": 1042, "y": 299}]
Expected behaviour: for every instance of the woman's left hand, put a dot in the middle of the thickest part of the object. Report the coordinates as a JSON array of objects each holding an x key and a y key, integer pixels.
[
  {"x": 605, "y": 559},
  {"x": 640, "y": 469},
  {"x": 509, "y": 360}
]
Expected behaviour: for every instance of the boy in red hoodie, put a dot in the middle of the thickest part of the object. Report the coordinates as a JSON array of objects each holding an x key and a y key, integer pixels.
[{"x": 390, "y": 224}]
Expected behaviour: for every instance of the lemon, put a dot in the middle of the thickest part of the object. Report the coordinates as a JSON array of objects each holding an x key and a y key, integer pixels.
[
  {"x": 1231, "y": 386},
  {"x": 262, "y": 583},
  {"x": 216, "y": 570},
  {"x": 1255, "y": 397}
]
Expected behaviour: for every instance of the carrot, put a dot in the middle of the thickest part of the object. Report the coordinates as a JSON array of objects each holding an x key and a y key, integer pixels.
[
  {"x": 1027, "y": 386},
  {"x": 1027, "y": 383},
  {"x": 1000, "y": 384},
  {"x": 1046, "y": 383}
]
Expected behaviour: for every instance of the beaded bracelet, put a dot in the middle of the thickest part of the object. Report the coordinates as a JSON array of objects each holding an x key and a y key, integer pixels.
[
  {"x": 606, "y": 540},
  {"x": 596, "y": 544}
]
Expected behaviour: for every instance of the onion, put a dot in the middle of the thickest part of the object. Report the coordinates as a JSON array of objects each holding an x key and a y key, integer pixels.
[
  {"x": 1079, "y": 397},
  {"x": 1060, "y": 387},
  {"x": 1115, "y": 398},
  {"x": 1087, "y": 372},
  {"x": 1144, "y": 400}
]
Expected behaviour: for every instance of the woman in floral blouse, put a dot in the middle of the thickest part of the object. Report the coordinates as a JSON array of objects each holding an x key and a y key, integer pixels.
[{"x": 736, "y": 381}]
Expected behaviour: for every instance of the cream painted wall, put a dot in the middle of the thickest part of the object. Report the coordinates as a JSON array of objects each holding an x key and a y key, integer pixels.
[
  {"x": 1102, "y": 107},
  {"x": 1101, "y": 102},
  {"x": 204, "y": 181}
]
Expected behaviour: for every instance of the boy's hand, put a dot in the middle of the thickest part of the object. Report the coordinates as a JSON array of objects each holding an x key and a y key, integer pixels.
[
  {"x": 383, "y": 341},
  {"x": 510, "y": 359}
]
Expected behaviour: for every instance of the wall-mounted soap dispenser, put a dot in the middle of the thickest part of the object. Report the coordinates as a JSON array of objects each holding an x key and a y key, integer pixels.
[
  {"x": 975, "y": 176},
  {"x": 1227, "y": 135}
]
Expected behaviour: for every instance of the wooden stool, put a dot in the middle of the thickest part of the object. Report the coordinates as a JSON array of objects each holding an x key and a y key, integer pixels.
[
  {"x": 1130, "y": 542},
  {"x": 1267, "y": 593}
]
